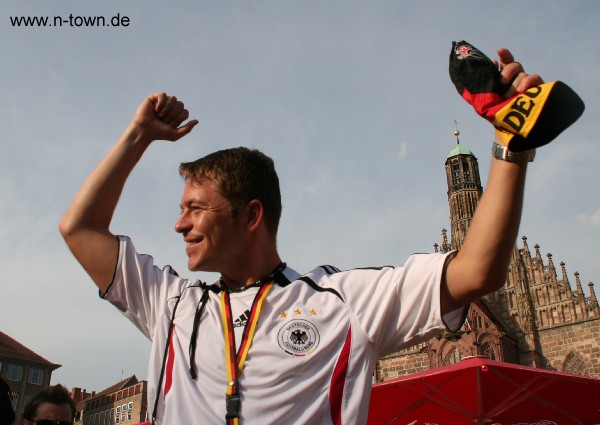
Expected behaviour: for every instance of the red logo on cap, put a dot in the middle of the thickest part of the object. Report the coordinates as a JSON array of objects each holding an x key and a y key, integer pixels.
[{"x": 463, "y": 51}]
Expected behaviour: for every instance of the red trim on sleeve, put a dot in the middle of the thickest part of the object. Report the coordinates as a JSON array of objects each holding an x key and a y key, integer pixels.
[
  {"x": 338, "y": 380},
  {"x": 170, "y": 363}
]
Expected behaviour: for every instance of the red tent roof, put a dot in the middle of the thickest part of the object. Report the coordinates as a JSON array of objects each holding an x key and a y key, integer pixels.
[{"x": 480, "y": 390}]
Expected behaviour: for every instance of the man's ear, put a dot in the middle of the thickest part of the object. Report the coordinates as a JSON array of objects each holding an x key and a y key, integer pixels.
[{"x": 254, "y": 215}]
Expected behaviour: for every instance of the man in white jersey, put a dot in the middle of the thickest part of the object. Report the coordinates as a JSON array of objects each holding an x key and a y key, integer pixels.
[{"x": 264, "y": 344}]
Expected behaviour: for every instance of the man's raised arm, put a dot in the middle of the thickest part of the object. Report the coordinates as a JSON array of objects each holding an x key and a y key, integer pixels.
[
  {"x": 481, "y": 266},
  {"x": 85, "y": 225}
]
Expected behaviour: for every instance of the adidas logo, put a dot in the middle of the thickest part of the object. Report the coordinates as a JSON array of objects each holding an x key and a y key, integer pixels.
[{"x": 242, "y": 320}]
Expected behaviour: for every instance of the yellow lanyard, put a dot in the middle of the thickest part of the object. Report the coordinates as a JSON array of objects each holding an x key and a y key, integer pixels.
[{"x": 235, "y": 360}]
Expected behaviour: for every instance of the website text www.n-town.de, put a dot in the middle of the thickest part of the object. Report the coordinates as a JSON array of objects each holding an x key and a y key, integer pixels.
[{"x": 71, "y": 20}]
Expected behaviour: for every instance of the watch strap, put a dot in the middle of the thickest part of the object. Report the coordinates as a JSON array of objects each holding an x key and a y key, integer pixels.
[{"x": 503, "y": 153}]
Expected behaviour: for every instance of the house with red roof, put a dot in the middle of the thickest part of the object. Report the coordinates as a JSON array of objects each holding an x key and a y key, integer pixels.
[
  {"x": 25, "y": 372},
  {"x": 122, "y": 403}
]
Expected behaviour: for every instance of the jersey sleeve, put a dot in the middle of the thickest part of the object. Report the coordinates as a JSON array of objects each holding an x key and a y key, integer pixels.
[
  {"x": 397, "y": 306},
  {"x": 140, "y": 289}
]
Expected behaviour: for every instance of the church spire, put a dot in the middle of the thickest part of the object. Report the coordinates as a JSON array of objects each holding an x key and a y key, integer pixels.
[
  {"x": 456, "y": 132},
  {"x": 578, "y": 284},
  {"x": 592, "y": 293}
]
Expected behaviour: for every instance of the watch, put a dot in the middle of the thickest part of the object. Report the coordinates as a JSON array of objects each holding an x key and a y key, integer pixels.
[{"x": 503, "y": 153}]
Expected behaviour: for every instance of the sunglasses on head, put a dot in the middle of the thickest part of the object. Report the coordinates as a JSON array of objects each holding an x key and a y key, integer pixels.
[{"x": 51, "y": 422}]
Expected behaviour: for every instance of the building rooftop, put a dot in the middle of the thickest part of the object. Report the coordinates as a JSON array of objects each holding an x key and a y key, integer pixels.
[
  {"x": 459, "y": 150},
  {"x": 9, "y": 347}
]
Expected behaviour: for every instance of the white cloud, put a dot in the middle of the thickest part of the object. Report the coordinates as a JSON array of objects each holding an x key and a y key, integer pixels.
[
  {"x": 403, "y": 151},
  {"x": 592, "y": 219}
]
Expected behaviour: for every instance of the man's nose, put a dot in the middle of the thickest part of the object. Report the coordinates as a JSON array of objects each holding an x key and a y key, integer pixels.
[{"x": 183, "y": 224}]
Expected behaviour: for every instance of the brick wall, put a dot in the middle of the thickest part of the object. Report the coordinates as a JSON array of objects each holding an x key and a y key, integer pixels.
[
  {"x": 394, "y": 367},
  {"x": 578, "y": 343}
]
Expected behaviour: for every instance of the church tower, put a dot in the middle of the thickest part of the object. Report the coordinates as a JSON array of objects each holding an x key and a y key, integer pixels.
[{"x": 464, "y": 190}]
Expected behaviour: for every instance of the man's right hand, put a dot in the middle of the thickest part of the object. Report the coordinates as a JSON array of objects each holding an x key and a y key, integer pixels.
[
  {"x": 159, "y": 117},
  {"x": 85, "y": 225}
]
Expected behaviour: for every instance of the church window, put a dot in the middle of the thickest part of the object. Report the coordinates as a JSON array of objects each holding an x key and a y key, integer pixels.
[
  {"x": 455, "y": 173},
  {"x": 575, "y": 364},
  {"x": 467, "y": 172},
  {"x": 454, "y": 356},
  {"x": 486, "y": 350}
]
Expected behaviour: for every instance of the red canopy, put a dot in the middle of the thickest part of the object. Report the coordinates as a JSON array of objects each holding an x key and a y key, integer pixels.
[{"x": 479, "y": 390}]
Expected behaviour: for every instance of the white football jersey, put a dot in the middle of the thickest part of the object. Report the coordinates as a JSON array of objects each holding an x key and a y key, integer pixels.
[{"x": 317, "y": 340}]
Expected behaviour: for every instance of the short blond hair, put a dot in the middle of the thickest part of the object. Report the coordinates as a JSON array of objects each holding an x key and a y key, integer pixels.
[{"x": 241, "y": 175}]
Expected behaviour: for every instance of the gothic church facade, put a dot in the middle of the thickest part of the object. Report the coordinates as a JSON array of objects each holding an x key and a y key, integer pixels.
[{"x": 540, "y": 318}]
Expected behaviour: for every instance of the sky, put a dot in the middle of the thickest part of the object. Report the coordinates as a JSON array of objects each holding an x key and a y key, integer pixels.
[{"x": 351, "y": 99}]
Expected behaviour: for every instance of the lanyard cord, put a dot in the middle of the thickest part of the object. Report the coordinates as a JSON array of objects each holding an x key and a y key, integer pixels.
[
  {"x": 235, "y": 361},
  {"x": 205, "y": 288},
  {"x": 192, "y": 349},
  {"x": 164, "y": 362}
]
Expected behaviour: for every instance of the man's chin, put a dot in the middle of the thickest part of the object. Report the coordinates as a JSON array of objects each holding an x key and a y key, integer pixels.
[{"x": 194, "y": 267}]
